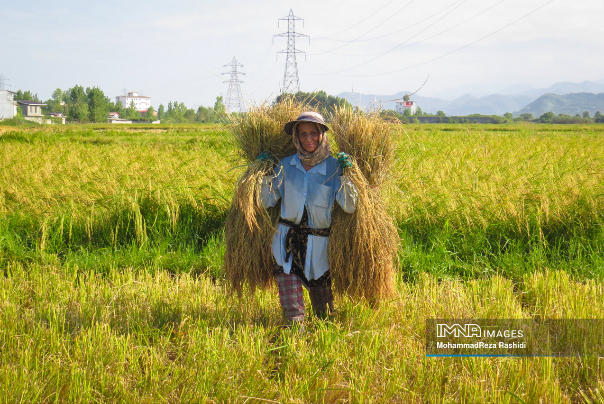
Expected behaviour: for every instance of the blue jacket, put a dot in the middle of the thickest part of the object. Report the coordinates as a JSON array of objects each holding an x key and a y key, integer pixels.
[{"x": 317, "y": 189}]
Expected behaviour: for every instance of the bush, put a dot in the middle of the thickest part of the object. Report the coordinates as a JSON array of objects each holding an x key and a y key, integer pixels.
[
  {"x": 18, "y": 121},
  {"x": 548, "y": 117},
  {"x": 567, "y": 119}
]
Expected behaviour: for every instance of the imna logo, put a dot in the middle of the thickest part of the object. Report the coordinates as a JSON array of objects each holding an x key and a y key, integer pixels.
[{"x": 457, "y": 330}]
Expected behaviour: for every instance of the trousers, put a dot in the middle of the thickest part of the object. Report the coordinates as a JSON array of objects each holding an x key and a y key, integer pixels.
[{"x": 292, "y": 298}]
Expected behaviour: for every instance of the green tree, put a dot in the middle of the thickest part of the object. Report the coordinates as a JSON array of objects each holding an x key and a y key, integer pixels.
[
  {"x": 56, "y": 104},
  {"x": 150, "y": 114},
  {"x": 189, "y": 115},
  {"x": 508, "y": 115},
  {"x": 418, "y": 112},
  {"x": 204, "y": 114},
  {"x": 78, "y": 104},
  {"x": 586, "y": 114},
  {"x": 441, "y": 114},
  {"x": 548, "y": 117},
  {"x": 320, "y": 101},
  {"x": 176, "y": 112},
  {"x": 98, "y": 105},
  {"x": 26, "y": 96},
  {"x": 406, "y": 97},
  {"x": 161, "y": 112},
  {"x": 526, "y": 117},
  {"x": 117, "y": 107},
  {"x": 219, "y": 107},
  {"x": 130, "y": 112},
  {"x": 58, "y": 95}
]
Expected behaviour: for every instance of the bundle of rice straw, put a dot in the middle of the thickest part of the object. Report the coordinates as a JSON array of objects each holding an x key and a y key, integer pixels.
[
  {"x": 363, "y": 246},
  {"x": 249, "y": 227}
]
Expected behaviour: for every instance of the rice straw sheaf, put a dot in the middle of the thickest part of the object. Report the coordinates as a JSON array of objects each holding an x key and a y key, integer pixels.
[
  {"x": 363, "y": 246},
  {"x": 249, "y": 227},
  {"x": 368, "y": 139}
]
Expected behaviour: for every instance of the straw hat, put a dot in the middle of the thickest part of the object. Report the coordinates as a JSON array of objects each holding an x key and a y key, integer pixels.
[{"x": 308, "y": 116}]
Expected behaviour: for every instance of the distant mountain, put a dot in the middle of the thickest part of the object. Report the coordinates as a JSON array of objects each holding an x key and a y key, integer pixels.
[
  {"x": 495, "y": 104},
  {"x": 568, "y": 88},
  {"x": 513, "y": 98},
  {"x": 570, "y": 104},
  {"x": 427, "y": 104},
  {"x": 516, "y": 89}
]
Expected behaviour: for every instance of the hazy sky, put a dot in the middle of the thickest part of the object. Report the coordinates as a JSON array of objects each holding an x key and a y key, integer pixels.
[{"x": 176, "y": 50}]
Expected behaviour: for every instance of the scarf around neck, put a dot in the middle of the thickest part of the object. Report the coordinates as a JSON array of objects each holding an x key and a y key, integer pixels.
[{"x": 312, "y": 159}]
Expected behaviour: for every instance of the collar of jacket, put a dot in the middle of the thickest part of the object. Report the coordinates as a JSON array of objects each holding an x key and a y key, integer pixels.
[{"x": 320, "y": 168}]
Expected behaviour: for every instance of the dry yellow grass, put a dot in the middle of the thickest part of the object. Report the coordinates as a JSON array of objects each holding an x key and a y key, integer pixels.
[
  {"x": 363, "y": 246},
  {"x": 249, "y": 226}
]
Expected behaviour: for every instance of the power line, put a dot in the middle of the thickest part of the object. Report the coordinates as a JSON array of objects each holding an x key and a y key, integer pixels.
[
  {"x": 395, "y": 32},
  {"x": 449, "y": 53},
  {"x": 270, "y": 73},
  {"x": 402, "y": 43},
  {"x": 358, "y": 23},
  {"x": 268, "y": 51},
  {"x": 435, "y": 35},
  {"x": 291, "y": 81},
  {"x": 234, "y": 101},
  {"x": 371, "y": 30}
]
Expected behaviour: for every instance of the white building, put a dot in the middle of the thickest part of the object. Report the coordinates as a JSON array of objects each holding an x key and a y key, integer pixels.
[
  {"x": 8, "y": 107},
  {"x": 141, "y": 103},
  {"x": 401, "y": 106}
]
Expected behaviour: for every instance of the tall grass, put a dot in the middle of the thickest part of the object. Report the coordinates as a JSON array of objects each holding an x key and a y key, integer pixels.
[
  {"x": 469, "y": 200},
  {"x": 61, "y": 192},
  {"x": 112, "y": 290},
  {"x": 69, "y": 335},
  {"x": 481, "y": 193}
]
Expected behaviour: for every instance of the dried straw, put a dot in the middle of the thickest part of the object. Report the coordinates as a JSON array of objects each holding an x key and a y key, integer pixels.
[
  {"x": 363, "y": 246},
  {"x": 249, "y": 227}
]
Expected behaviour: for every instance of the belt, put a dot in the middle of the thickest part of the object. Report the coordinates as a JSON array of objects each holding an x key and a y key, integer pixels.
[{"x": 297, "y": 234}]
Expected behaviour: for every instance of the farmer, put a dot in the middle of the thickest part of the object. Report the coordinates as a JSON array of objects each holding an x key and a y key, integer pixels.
[{"x": 308, "y": 183}]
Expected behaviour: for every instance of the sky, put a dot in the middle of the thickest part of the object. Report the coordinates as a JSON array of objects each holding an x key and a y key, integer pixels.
[{"x": 176, "y": 51}]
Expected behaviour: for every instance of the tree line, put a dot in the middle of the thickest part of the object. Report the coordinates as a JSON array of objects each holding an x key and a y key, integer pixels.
[
  {"x": 177, "y": 112},
  {"x": 92, "y": 105}
]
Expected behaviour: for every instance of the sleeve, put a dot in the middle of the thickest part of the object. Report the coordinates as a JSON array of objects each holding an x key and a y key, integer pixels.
[
  {"x": 269, "y": 191},
  {"x": 347, "y": 195}
]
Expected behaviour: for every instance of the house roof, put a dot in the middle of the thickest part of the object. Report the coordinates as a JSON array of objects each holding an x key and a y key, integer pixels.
[
  {"x": 133, "y": 96},
  {"x": 28, "y": 102}
]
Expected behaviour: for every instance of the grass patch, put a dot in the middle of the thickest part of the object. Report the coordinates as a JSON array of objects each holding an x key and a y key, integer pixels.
[
  {"x": 113, "y": 290},
  {"x": 73, "y": 335}
]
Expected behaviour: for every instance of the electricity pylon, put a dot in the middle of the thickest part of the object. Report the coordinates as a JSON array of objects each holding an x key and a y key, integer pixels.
[
  {"x": 291, "y": 82},
  {"x": 2, "y": 80},
  {"x": 234, "y": 101}
]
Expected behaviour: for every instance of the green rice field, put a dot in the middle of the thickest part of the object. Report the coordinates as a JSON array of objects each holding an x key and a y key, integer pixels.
[{"x": 111, "y": 250}]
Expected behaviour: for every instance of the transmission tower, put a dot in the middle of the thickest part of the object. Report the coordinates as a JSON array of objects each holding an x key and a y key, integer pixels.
[
  {"x": 2, "y": 80},
  {"x": 234, "y": 101},
  {"x": 291, "y": 82}
]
